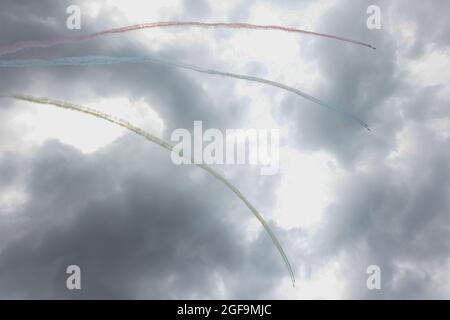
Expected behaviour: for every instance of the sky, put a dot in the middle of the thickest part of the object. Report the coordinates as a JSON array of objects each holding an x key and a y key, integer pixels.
[{"x": 75, "y": 190}]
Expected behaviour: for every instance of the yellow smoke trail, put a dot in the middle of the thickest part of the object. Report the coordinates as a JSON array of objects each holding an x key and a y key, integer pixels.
[{"x": 165, "y": 145}]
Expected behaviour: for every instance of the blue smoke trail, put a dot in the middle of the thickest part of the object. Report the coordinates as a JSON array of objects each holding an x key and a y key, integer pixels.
[{"x": 105, "y": 60}]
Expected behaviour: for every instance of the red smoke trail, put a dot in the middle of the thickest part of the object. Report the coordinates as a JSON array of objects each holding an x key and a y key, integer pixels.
[{"x": 21, "y": 45}]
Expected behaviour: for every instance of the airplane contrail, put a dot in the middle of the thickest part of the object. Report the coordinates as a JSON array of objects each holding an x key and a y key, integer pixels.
[
  {"x": 99, "y": 60},
  {"x": 28, "y": 44},
  {"x": 166, "y": 145}
]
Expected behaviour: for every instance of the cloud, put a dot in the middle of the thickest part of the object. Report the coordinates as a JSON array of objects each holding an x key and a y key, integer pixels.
[
  {"x": 136, "y": 229},
  {"x": 140, "y": 227}
]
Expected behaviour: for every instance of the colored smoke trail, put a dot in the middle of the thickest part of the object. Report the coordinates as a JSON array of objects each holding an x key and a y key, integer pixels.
[
  {"x": 99, "y": 60},
  {"x": 28, "y": 44},
  {"x": 165, "y": 145}
]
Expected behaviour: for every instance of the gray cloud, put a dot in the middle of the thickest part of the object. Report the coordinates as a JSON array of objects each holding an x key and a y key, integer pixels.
[
  {"x": 140, "y": 227},
  {"x": 390, "y": 216},
  {"x": 137, "y": 233}
]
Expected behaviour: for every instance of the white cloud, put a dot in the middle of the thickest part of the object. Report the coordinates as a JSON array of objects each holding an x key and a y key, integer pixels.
[
  {"x": 305, "y": 188},
  {"x": 40, "y": 123}
]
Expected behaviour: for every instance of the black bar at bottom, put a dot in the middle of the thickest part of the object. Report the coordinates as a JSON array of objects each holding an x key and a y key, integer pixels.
[{"x": 226, "y": 309}]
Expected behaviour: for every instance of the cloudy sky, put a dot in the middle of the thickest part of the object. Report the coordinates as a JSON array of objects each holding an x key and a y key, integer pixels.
[{"x": 77, "y": 190}]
